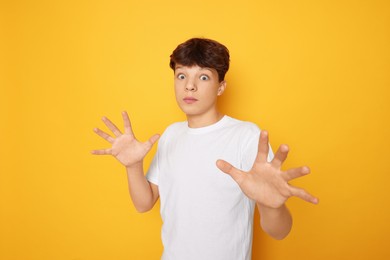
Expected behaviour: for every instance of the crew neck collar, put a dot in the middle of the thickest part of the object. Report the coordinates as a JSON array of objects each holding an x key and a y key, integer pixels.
[{"x": 209, "y": 128}]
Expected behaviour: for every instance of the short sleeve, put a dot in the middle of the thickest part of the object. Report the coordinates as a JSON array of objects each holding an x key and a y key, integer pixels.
[
  {"x": 153, "y": 171},
  {"x": 153, "y": 174}
]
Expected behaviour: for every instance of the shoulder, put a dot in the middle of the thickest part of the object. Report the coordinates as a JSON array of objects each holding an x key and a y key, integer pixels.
[
  {"x": 243, "y": 127},
  {"x": 175, "y": 127},
  {"x": 172, "y": 130}
]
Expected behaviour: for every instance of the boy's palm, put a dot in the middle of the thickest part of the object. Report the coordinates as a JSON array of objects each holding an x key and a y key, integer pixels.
[
  {"x": 266, "y": 183},
  {"x": 125, "y": 147}
]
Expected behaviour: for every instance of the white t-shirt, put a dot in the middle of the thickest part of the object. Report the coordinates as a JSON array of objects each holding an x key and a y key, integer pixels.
[{"x": 205, "y": 214}]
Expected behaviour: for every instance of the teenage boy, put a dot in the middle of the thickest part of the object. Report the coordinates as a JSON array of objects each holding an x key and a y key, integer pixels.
[{"x": 207, "y": 215}]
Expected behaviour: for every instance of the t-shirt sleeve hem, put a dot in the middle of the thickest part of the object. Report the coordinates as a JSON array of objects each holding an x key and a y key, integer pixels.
[{"x": 152, "y": 180}]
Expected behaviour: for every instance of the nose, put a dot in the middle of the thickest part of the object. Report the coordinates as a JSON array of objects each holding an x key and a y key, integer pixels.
[{"x": 191, "y": 86}]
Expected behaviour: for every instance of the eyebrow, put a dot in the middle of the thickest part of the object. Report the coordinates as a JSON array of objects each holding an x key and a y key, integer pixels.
[
  {"x": 201, "y": 68},
  {"x": 207, "y": 69}
]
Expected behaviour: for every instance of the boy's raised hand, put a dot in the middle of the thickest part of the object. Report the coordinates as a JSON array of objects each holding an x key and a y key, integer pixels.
[
  {"x": 125, "y": 147},
  {"x": 266, "y": 183}
]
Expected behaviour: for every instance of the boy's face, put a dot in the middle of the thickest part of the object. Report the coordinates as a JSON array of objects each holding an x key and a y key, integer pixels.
[{"x": 197, "y": 89}]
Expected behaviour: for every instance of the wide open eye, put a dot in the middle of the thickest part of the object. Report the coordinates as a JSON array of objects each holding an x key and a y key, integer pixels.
[
  {"x": 204, "y": 77},
  {"x": 181, "y": 76}
]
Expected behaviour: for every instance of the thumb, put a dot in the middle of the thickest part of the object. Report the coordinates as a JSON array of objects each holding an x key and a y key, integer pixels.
[
  {"x": 154, "y": 138},
  {"x": 148, "y": 144},
  {"x": 227, "y": 168}
]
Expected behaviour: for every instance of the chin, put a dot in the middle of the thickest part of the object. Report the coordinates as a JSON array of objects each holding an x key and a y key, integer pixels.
[{"x": 190, "y": 111}]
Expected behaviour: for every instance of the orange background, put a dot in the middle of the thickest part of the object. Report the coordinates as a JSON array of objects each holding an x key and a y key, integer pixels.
[{"x": 315, "y": 74}]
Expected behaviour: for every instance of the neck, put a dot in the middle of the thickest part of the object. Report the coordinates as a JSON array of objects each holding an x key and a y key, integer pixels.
[{"x": 197, "y": 121}]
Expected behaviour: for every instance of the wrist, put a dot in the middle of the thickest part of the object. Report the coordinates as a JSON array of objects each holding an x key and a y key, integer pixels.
[
  {"x": 134, "y": 166},
  {"x": 263, "y": 207}
]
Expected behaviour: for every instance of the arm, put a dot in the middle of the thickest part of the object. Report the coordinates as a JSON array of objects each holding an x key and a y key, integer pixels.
[
  {"x": 143, "y": 193},
  {"x": 275, "y": 222},
  {"x": 268, "y": 185},
  {"x": 131, "y": 153}
]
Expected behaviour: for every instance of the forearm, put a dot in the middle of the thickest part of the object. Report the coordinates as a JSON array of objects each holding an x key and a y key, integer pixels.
[
  {"x": 140, "y": 190},
  {"x": 275, "y": 222}
]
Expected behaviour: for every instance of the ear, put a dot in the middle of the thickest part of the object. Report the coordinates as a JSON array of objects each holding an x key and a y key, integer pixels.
[{"x": 222, "y": 87}]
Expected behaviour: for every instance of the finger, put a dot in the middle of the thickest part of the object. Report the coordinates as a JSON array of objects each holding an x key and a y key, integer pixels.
[
  {"x": 262, "y": 152},
  {"x": 294, "y": 173},
  {"x": 127, "y": 123},
  {"x": 302, "y": 194},
  {"x": 104, "y": 135},
  {"x": 152, "y": 140},
  {"x": 280, "y": 156},
  {"x": 235, "y": 173},
  {"x": 111, "y": 126},
  {"x": 101, "y": 152}
]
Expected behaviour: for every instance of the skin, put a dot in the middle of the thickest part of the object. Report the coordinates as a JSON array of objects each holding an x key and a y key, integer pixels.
[
  {"x": 203, "y": 85},
  {"x": 265, "y": 183}
]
